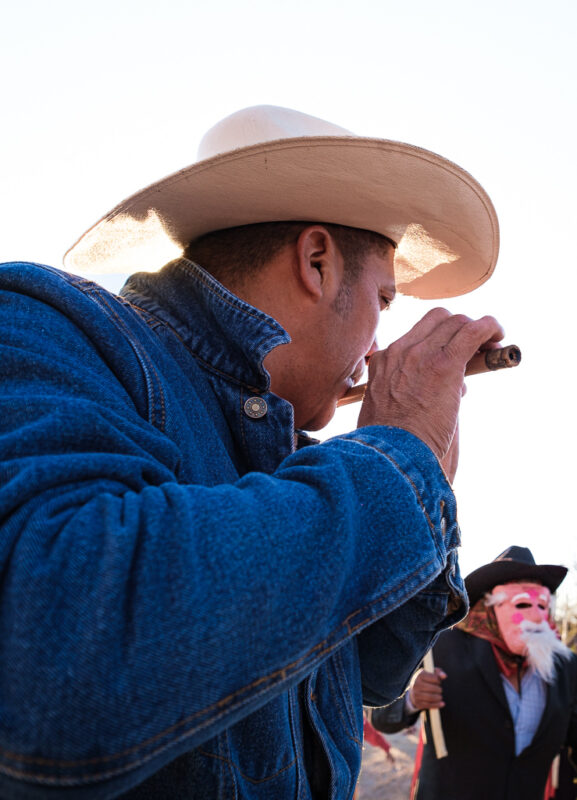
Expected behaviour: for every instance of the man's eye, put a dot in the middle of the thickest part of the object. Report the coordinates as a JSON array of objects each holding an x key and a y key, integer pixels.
[
  {"x": 385, "y": 303},
  {"x": 522, "y": 605}
]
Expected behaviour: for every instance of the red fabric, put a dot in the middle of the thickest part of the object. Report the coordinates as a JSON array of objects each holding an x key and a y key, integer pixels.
[
  {"x": 549, "y": 789},
  {"x": 375, "y": 737},
  {"x": 481, "y": 622},
  {"x": 417, "y": 767}
]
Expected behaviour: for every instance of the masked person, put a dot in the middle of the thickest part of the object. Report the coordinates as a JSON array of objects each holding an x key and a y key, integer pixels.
[
  {"x": 193, "y": 602},
  {"x": 506, "y": 687}
]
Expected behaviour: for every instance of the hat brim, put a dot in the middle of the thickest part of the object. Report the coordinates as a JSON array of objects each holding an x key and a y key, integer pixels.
[
  {"x": 441, "y": 218},
  {"x": 485, "y": 578}
]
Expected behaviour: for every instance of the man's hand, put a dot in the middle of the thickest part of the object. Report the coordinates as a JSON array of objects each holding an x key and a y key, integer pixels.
[
  {"x": 417, "y": 382},
  {"x": 451, "y": 461},
  {"x": 426, "y": 691}
]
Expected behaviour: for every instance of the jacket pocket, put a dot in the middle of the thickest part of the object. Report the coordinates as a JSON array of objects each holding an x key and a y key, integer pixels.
[{"x": 256, "y": 759}]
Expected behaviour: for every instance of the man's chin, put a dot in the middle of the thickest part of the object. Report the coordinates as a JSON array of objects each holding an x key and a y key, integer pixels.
[{"x": 321, "y": 418}]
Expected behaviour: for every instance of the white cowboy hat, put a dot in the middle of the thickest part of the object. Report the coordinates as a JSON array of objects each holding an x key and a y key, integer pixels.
[{"x": 267, "y": 163}]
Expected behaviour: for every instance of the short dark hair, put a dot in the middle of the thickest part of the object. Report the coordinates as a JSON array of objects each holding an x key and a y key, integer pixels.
[{"x": 242, "y": 251}]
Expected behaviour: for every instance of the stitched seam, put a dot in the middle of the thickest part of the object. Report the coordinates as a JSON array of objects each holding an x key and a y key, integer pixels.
[
  {"x": 342, "y": 707},
  {"x": 408, "y": 477},
  {"x": 94, "y": 292},
  {"x": 242, "y": 774},
  {"x": 146, "y": 360},
  {"x": 147, "y": 317},
  {"x": 201, "y": 278},
  {"x": 160, "y": 323},
  {"x": 296, "y": 733},
  {"x": 242, "y": 421},
  {"x": 341, "y": 683},
  {"x": 230, "y": 378},
  {"x": 142, "y": 356}
]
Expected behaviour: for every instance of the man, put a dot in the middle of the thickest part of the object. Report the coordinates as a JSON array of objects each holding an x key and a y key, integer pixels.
[
  {"x": 193, "y": 603},
  {"x": 505, "y": 685}
]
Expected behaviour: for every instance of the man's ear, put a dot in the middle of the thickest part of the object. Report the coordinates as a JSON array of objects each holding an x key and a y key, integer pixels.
[{"x": 318, "y": 261}]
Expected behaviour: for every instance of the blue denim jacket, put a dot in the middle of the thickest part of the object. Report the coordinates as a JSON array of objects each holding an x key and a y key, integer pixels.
[{"x": 186, "y": 602}]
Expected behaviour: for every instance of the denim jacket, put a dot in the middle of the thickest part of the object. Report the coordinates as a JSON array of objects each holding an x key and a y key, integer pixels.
[{"x": 190, "y": 607}]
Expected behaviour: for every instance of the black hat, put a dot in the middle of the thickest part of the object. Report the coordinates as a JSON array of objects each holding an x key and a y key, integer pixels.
[{"x": 514, "y": 564}]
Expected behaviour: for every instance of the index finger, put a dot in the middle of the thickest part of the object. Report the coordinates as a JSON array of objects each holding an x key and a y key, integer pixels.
[
  {"x": 473, "y": 335},
  {"x": 430, "y": 678}
]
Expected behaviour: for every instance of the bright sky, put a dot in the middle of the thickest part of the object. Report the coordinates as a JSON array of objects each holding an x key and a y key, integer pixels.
[{"x": 99, "y": 100}]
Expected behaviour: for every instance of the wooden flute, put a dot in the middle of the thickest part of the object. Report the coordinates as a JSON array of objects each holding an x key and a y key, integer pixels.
[{"x": 483, "y": 361}]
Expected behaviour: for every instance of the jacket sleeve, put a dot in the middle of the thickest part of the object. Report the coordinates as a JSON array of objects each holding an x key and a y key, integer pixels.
[
  {"x": 394, "y": 717},
  {"x": 139, "y": 615}
]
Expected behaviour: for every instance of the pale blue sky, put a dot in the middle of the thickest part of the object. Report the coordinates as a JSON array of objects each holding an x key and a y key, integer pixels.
[{"x": 99, "y": 100}]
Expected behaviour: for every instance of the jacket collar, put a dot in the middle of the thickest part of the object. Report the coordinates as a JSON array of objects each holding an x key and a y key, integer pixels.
[
  {"x": 227, "y": 334},
  {"x": 483, "y": 656}
]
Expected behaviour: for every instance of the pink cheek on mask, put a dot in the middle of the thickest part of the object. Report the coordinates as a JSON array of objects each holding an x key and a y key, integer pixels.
[{"x": 517, "y": 618}]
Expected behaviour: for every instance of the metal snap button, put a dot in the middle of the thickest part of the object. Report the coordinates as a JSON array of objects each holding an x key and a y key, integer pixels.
[{"x": 255, "y": 407}]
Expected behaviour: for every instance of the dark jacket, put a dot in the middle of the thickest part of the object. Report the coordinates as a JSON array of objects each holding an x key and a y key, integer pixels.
[{"x": 478, "y": 728}]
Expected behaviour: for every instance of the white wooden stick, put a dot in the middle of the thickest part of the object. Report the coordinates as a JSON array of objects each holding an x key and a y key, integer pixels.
[{"x": 555, "y": 771}]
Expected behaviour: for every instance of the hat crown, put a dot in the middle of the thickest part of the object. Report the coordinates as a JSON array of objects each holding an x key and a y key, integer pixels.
[
  {"x": 513, "y": 565},
  {"x": 260, "y": 124},
  {"x": 515, "y": 553}
]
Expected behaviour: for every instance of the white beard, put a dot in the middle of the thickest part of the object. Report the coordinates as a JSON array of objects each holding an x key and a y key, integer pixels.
[{"x": 543, "y": 647}]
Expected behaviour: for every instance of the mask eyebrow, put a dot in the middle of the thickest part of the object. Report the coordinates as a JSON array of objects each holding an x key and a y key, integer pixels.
[{"x": 521, "y": 595}]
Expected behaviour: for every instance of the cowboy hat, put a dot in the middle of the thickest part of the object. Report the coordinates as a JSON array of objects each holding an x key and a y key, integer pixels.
[
  {"x": 267, "y": 163},
  {"x": 512, "y": 565}
]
